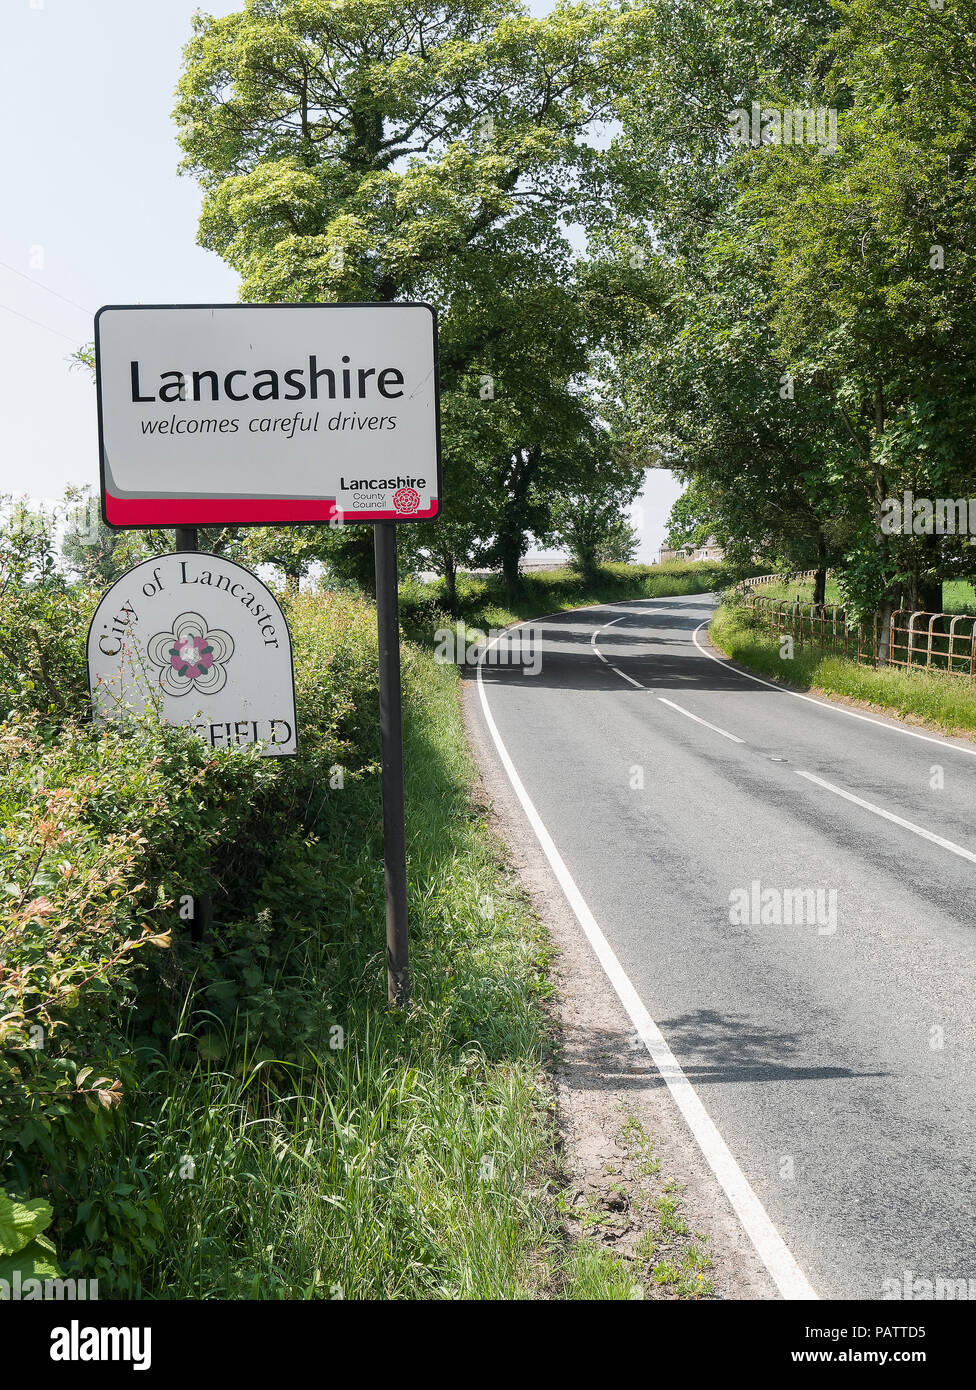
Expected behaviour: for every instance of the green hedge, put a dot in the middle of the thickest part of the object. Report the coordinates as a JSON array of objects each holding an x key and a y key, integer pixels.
[{"x": 485, "y": 600}]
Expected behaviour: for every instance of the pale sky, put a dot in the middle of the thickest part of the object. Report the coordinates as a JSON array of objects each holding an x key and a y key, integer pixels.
[{"x": 94, "y": 213}]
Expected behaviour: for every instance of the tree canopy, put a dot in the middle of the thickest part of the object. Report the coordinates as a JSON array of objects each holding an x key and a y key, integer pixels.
[
  {"x": 367, "y": 150},
  {"x": 815, "y": 354}
]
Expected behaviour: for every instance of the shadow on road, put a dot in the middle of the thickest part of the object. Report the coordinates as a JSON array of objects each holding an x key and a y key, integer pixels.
[
  {"x": 714, "y": 1047},
  {"x": 651, "y": 645}
]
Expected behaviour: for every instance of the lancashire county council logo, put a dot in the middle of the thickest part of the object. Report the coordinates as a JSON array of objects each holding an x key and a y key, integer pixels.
[
  {"x": 406, "y": 500},
  {"x": 191, "y": 657}
]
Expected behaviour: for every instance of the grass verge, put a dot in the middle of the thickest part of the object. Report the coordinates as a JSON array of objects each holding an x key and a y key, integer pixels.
[
  {"x": 282, "y": 1134},
  {"x": 631, "y": 1228},
  {"x": 404, "y": 1156},
  {"x": 407, "y": 1157},
  {"x": 944, "y": 702}
]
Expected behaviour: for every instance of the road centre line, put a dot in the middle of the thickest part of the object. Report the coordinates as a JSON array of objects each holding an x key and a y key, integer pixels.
[
  {"x": 789, "y": 1279},
  {"x": 714, "y": 727},
  {"x": 890, "y": 815},
  {"x": 680, "y": 708},
  {"x": 596, "y": 634},
  {"x": 811, "y": 777},
  {"x": 624, "y": 676}
]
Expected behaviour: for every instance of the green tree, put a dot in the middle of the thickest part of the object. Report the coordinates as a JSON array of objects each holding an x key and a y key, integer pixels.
[
  {"x": 372, "y": 151},
  {"x": 814, "y": 353},
  {"x": 872, "y": 278},
  {"x": 90, "y": 549},
  {"x": 291, "y": 549},
  {"x": 594, "y": 528}
]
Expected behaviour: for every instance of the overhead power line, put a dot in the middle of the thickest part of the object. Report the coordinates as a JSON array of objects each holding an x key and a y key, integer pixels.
[
  {"x": 31, "y": 281},
  {"x": 37, "y": 324}
]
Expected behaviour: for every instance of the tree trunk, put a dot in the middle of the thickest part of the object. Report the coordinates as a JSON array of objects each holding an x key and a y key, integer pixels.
[
  {"x": 930, "y": 595},
  {"x": 885, "y": 610},
  {"x": 510, "y": 566},
  {"x": 520, "y": 470}
]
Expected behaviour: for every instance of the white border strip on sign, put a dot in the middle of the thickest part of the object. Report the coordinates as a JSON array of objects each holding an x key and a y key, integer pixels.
[{"x": 789, "y": 1279}]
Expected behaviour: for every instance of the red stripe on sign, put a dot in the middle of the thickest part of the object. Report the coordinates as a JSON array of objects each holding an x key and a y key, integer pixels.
[{"x": 215, "y": 511}]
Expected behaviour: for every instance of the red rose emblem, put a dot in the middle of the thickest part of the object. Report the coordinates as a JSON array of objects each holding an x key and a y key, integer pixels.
[{"x": 406, "y": 500}]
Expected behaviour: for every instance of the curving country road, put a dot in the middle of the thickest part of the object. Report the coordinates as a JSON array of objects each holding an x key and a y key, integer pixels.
[{"x": 695, "y": 811}]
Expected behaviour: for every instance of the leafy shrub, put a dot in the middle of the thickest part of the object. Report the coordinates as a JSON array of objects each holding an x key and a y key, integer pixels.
[
  {"x": 103, "y": 832},
  {"x": 424, "y": 605},
  {"x": 24, "y": 1249}
]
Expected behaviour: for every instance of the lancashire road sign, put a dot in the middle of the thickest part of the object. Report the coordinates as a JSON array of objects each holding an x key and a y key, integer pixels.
[
  {"x": 221, "y": 414},
  {"x": 205, "y": 643}
]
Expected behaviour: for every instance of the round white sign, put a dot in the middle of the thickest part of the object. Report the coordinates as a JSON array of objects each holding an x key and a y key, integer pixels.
[{"x": 203, "y": 642}]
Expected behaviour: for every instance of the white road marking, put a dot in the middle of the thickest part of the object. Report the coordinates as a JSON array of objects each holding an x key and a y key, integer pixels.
[
  {"x": 680, "y": 708},
  {"x": 626, "y": 677},
  {"x": 616, "y": 669},
  {"x": 826, "y": 704},
  {"x": 714, "y": 727},
  {"x": 596, "y": 634},
  {"x": 890, "y": 815},
  {"x": 787, "y": 1275}
]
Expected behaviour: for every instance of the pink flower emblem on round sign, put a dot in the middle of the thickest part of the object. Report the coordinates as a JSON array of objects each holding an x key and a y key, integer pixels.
[
  {"x": 191, "y": 656},
  {"x": 406, "y": 500}
]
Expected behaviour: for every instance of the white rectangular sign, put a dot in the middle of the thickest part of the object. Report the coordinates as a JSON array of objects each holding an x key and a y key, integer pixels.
[{"x": 267, "y": 414}]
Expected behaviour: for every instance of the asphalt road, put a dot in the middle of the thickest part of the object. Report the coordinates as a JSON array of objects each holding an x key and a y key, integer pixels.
[{"x": 836, "y": 1055}]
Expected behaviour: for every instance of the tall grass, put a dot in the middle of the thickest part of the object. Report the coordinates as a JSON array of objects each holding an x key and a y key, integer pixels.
[{"x": 405, "y": 1156}]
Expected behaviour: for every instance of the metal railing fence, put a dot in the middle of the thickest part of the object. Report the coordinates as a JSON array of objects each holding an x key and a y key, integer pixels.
[{"x": 913, "y": 640}]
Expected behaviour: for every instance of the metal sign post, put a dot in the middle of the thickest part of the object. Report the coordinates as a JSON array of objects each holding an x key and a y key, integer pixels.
[
  {"x": 391, "y": 735},
  {"x": 187, "y": 538}
]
